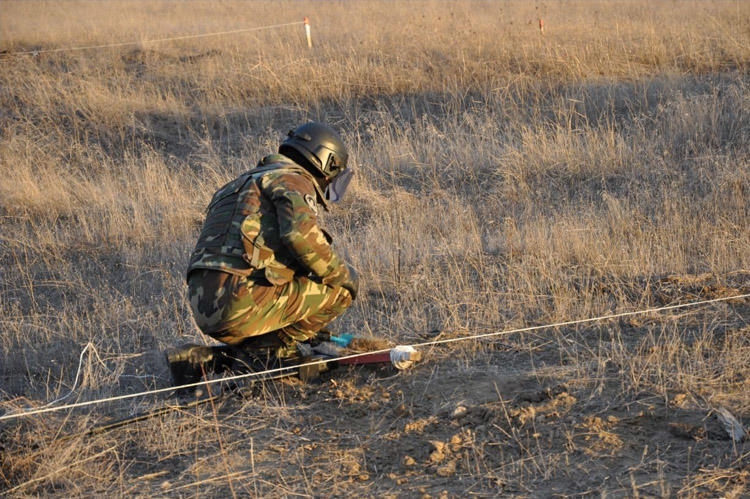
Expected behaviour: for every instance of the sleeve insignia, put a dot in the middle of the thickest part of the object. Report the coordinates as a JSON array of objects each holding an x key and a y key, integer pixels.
[{"x": 310, "y": 200}]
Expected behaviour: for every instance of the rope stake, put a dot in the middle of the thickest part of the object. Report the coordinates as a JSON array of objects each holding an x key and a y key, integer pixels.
[{"x": 307, "y": 33}]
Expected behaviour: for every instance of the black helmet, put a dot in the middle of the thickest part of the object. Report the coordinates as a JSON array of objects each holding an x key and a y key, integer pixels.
[{"x": 320, "y": 146}]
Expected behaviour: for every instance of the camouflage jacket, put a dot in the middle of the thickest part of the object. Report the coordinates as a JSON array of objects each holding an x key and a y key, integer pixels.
[{"x": 264, "y": 223}]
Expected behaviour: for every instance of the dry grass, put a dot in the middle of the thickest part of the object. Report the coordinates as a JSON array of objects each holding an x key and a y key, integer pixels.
[{"x": 505, "y": 178}]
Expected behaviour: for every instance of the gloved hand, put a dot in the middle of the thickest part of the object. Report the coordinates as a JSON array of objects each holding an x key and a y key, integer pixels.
[
  {"x": 351, "y": 284},
  {"x": 345, "y": 277}
]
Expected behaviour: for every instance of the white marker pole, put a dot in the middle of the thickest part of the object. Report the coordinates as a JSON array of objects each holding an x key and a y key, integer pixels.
[{"x": 307, "y": 32}]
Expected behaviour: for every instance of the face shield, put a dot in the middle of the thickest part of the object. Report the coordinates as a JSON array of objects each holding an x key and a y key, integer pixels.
[{"x": 337, "y": 188}]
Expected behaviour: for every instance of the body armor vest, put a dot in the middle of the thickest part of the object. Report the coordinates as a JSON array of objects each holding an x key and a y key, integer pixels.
[{"x": 240, "y": 234}]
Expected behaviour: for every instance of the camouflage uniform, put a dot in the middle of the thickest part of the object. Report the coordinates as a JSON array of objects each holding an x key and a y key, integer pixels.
[{"x": 262, "y": 263}]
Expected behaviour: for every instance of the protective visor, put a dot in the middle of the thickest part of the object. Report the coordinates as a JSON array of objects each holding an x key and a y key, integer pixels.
[{"x": 337, "y": 188}]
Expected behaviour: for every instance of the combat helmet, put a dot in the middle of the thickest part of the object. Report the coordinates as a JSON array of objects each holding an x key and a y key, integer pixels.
[{"x": 319, "y": 149}]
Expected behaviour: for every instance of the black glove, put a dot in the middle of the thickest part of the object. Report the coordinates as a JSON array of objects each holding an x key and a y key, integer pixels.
[
  {"x": 352, "y": 283},
  {"x": 345, "y": 277}
]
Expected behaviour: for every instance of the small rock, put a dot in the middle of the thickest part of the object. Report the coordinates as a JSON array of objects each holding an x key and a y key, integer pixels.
[
  {"x": 438, "y": 445},
  {"x": 437, "y": 457},
  {"x": 679, "y": 400},
  {"x": 732, "y": 425},
  {"x": 448, "y": 469},
  {"x": 441, "y": 449}
]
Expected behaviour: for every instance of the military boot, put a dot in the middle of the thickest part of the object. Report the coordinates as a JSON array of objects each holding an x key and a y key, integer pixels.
[
  {"x": 265, "y": 352},
  {"x": 191, "y": 364}
]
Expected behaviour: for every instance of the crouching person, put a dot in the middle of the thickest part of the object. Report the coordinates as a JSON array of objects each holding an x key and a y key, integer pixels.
[{"x": 263, "y": 275}]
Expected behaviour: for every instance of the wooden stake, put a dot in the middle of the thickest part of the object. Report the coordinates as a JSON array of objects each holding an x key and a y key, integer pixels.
[{"x": 307, "y": 33}]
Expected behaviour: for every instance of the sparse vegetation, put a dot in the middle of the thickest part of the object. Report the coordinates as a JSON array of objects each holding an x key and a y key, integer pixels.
[{"x": 505, "y": 178}]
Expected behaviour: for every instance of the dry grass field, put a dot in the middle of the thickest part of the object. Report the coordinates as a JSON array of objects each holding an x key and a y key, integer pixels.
[{"x": 506, "y": 178}]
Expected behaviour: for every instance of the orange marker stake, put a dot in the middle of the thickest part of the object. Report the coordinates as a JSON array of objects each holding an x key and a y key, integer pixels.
[
  {"x": 541, "y": 25},
  {"x": 307, "y": 32}
]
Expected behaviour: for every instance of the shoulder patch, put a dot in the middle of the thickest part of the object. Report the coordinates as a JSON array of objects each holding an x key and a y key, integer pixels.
[{"x": 310, "y": 200}]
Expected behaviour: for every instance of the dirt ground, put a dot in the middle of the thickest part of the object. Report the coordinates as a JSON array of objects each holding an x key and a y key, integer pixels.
[
  {"x": 493, "y": 420},
  {"x": 455, "y": 429},
  {"x": 516, "y": 416}
]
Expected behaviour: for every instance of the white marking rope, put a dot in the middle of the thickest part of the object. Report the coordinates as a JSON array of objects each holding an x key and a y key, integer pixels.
[
  {"x": 583, "y": 321},
  {"x": 160, "y": 40},
  {"x": 46, "y": 409},
  {"x": 78, "y": 373}
]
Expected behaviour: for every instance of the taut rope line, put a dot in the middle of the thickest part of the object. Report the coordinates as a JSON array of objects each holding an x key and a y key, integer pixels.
[
  {"x": 161, "y": 40},
  {"x": 581, "y": 321},
  {"x": 427, "y": 343}
]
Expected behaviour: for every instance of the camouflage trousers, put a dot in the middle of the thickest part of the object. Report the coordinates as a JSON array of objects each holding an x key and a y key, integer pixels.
[{"x": 232, "y": 308}]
